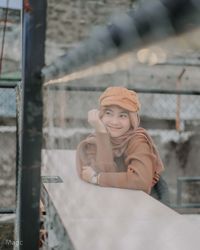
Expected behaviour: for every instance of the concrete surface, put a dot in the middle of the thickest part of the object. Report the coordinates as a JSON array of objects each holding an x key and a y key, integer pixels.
[{"x": 111, "y": 218}]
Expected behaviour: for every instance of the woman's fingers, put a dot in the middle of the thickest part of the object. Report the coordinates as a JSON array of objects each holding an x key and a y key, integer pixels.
[
  {"x": 95, "y": 121},
  {"x": 93, "y": 116},
  {"x": 87, "y": 173}
]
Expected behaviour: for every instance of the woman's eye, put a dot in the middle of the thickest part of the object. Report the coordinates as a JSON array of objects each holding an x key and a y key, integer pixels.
[
  {"x": 108, "y": 112},
  {"x": 124, "y": 115}
]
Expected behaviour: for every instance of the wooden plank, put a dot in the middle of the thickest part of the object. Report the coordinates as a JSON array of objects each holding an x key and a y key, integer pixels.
[
  {"x": 142, "y": 76},
  {"x": 111, "y": 218}
]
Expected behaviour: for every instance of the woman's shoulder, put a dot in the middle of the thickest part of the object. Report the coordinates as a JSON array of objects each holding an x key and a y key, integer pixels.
[
  {"x": 140, "y": 133},
  {"x": 140, "y": 136}
]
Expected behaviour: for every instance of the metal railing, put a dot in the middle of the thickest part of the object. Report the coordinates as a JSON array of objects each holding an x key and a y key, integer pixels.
[{"x": 188, "y": 180}]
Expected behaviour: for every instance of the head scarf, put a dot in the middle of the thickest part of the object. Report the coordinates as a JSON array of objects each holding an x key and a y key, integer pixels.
[
  {"x": 119, "y": 144},
  {"x": 128, "y": 100}
]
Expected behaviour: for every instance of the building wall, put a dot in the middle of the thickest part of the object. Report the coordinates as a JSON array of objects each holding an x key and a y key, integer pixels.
[{"x": 71, "y": 21}]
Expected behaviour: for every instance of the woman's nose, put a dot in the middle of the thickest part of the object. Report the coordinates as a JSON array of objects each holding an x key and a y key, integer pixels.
[{"x": 114, "y": 120}]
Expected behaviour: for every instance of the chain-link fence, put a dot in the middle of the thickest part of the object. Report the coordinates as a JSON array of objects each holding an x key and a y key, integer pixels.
[
  {"x": 8, "y": 141},
  {"x": 172, "y": 119},
  {"x": 159, "y": 109}
]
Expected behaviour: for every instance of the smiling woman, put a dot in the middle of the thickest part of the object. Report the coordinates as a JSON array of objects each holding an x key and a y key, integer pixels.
[{"x": 119, "y": 153}]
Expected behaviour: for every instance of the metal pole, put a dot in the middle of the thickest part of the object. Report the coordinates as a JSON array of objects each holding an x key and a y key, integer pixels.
[
  {"x": 29, "y": 179},
  {"x": 59, "y": 87}
]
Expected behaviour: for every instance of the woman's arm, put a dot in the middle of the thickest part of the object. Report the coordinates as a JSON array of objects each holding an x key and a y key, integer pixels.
[
  {"x": 139, "y": 174},
  {"x": 98, "y": 156},
  {"x": 104, "y": 155}
]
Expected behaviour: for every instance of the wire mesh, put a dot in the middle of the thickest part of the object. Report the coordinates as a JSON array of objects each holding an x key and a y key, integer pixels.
[
  {"x": 9, "y": 32},
  {"x": 8, "y": 147},
  {"x": 7, "y": 102},
  {"x": 9, "y": 64}
]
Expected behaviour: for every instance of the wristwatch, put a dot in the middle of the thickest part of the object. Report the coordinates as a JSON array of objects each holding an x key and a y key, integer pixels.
[{"x": 94, "y": 179}]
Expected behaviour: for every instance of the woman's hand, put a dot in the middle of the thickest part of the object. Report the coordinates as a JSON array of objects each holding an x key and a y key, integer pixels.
[
  {"x": 89, "y": 175},
  {"x": 95, "y": 121}
]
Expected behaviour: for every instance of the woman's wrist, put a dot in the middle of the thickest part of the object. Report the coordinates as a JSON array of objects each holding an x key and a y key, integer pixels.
[
  {"x": 95, "y": 179},
  {"x": 101, "y": 129}
]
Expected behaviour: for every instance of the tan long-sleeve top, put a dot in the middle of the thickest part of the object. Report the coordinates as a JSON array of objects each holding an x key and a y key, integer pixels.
[{"x": 135, "y": 169}]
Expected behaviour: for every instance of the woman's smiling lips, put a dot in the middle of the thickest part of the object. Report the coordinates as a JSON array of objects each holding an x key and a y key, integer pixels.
[{"x": 113, "y": 128}]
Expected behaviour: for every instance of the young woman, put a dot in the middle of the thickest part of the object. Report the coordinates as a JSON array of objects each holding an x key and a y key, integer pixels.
[{"x": 120, "y": 153}]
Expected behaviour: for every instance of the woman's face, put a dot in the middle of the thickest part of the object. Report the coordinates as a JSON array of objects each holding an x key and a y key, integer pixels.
[{"x": 116, "y": 120}]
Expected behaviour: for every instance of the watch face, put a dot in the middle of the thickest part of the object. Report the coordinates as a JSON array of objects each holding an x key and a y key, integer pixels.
[{"x": 94, "y": 179}]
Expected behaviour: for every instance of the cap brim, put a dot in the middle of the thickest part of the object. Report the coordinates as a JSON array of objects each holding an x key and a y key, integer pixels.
[{"x": 118, "y": 103}]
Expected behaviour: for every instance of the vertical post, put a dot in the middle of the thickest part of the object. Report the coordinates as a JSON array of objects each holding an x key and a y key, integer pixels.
[
  {"x": 178, "y": 102},
  {"x": 179, "y": 192},
  {"x": 29, "y": 175}
]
